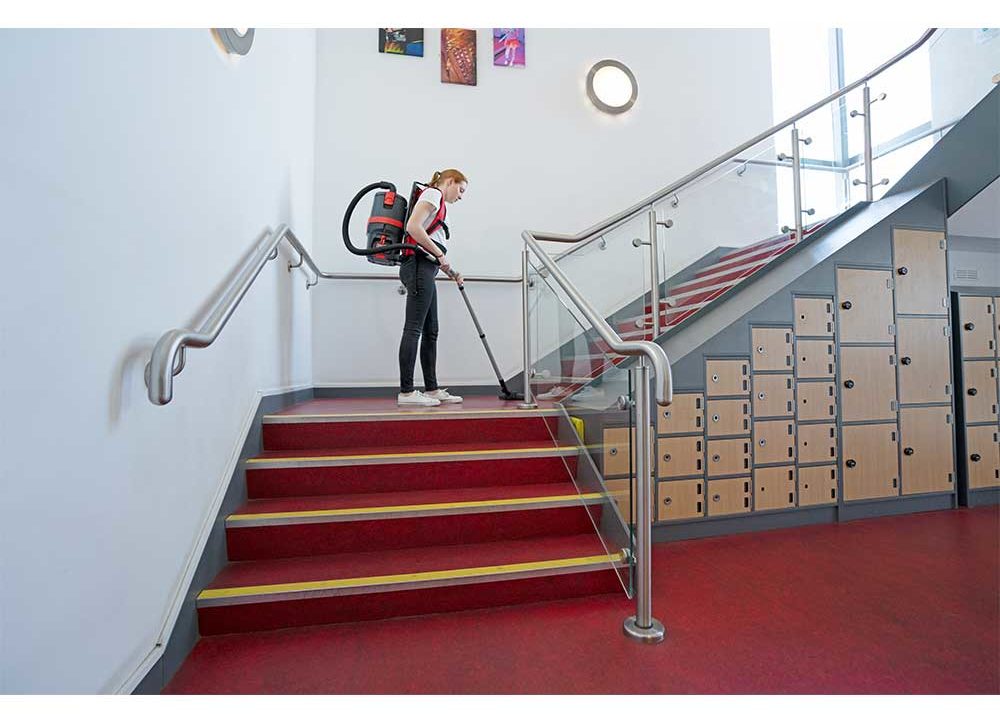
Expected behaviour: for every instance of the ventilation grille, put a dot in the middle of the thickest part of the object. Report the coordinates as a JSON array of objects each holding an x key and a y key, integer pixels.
[{"x": 967, "y": 274}]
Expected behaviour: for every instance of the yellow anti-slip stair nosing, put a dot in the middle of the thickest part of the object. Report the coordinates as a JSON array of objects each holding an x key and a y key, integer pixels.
[
  {"x": 419, "y": 414},
  {"x": 383, "y": 583},
  {"x": 391, "y": 457},
  {"x": 292, "y": 517}
]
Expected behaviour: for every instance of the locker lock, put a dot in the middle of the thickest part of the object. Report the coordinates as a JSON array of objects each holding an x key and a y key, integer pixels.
[
  {"x": 851, "y": 463},
  {"x": 908, "y": 451},
  {"x": 970, "y": 326},
  {"x": 849, "y": 384},
  {"x": 762, "y": 442},
  {"x": 975, "y": 457},
  {"x": 666, "y": 458},
  {"x": 715, "y": 417},
  {"x": 716, "y": 498},
  {"x": 666, "y": 502},
  {"x": 614, "y": 451},
  {"x": 716, "y": 458},
  {"x": 973, "y": 392},
  {"x": 846, "y": 305},
  {"x": 902, "y": 271},
  {"x": 715, "y": 377},
  {"x": 905, "y": 361},
  {"x": 761, "y": 395},
  {"x": 760, "y": 349}
]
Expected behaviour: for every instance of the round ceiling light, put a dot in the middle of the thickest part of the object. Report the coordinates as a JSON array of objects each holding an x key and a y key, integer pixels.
[
  {"x": 611, "y": 86},
  {"x": 235, "y": 40}
]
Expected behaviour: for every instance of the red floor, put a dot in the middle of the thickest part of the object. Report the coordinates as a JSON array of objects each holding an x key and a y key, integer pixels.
[{"x": 907, "y": 604}]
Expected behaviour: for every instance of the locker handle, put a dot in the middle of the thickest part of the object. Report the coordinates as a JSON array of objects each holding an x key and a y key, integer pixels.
[
  {"x": 905, "y": 361},
  {"x": 970, "y": 326},
  {"x": 846, "y": 305},
  {"x": 908, "y": 451},
  {"x": 973, "y": 392},
  {"x": 975, "y": 457},
  {"x": 851, "y": 463},
  {"x": 902, "y": 271},
  {"x": 849, "y": 384}
]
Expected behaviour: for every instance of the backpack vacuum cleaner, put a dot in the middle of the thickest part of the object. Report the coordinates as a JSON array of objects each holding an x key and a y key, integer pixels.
[{"x": 386, "y": 232}]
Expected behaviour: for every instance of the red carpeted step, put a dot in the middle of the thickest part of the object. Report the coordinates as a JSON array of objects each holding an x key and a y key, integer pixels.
[
  {"x": 271, "y": 594},
  {"x": 388, "y": 469},
  {"x": 763, "y": 256},
  {"x": 292, "y": 527}
]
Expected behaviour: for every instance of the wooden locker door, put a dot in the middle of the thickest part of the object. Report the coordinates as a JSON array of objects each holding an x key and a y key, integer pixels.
[
  {"x": 976, "y": 314},
  {"x": 817, "y": 485},
  {"x": 728, "y": 457},
  {"x": 983, "y": 445},
  {"x": 926, "y": 437},
  {"x": 773, "y": 488},
  {"x": 817, "y": 443},
  {"x": 686, "y": 415},
  {"x": 728, "y": 417},
  {"x": 773, "y": 442},
  {"x": 924, "y": 361},
  {"x": 814, "y": 359},
  {"x": 773, "y": 395},
  {"x": 772, "y": 349},
  {"x": 921, "y": 271},
  {"x": 980, "y": 393},
  {"x": 813, "y": 317},
  {"x": 680, "y": 499},
  {"x": 871, "y": 464},
  {"x": 615, "y": 452},
  {"x": 996, "y": 327},
  {"x": 622, "y": 493},
  {"x": 816, "y": 400},
  {"x": 680, "y": 456},
  {"x": 868, "y": 383},
  {"x": 727, "y": 377},
  {"x": 864, "y": 305},
  {"x": 728, "y": 496}
]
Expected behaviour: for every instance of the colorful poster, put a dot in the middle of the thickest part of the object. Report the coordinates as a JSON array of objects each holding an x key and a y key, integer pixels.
[
  {"x": 508, "y": 47},
  {"x": 458, "y": 56},
  {"x": 401, "y": 41}
]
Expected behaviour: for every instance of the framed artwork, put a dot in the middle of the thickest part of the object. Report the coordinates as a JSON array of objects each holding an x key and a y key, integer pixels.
[
  {"x": 508, "y": 47},
  {"x": 401, "y": 41},
  {"x": 458, "y": 56}
]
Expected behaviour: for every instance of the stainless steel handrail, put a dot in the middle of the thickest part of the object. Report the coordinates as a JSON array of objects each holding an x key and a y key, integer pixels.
[
  {"x": 168, "y": 357},
  {"x": 594, "y": 232}
]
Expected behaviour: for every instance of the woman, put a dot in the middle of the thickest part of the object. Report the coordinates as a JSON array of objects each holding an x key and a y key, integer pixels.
[{"x": 426, "y": 228}]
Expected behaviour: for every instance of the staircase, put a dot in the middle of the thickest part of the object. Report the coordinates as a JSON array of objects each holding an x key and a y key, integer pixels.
[{"x": 357, "y": 510}]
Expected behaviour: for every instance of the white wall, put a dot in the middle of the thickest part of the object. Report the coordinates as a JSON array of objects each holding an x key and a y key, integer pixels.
[
  {"x": 538, "y": 156},
  {"x": 974, "y": 240},
  {"x": 137, "y": 168},
  {"x": 963, "y": 63}
]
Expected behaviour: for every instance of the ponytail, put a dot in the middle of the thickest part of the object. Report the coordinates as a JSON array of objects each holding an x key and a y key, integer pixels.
[{"x": 450, "y": 173}]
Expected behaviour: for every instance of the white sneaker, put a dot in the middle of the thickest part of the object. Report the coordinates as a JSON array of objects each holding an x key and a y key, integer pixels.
[
  {"x": 442, "y": 395},
  {"x": 417, "y": 399},
  {"x": 556, "y": 392}
]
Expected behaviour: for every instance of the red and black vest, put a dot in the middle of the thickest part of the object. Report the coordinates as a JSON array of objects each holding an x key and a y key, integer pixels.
[{"x": 436, "y": 223}]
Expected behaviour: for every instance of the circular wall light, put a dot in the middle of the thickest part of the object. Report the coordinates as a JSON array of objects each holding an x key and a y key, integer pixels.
[
  {"x": 611, "y": 86},
  {"x": 235, "y": 40}
]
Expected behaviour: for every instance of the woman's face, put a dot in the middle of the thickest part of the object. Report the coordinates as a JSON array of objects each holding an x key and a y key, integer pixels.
[{"x": 453, "y": 190}]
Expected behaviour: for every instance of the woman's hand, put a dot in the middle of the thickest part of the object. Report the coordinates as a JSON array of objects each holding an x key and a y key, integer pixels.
[{"x": 445, "y": 264}]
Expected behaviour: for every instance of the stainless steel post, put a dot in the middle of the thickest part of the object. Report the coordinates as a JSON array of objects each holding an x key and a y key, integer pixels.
[
  {"x": 654, "y": 272},
  {"x": 528, "y": 402},
  {"x": 797, "y": 183},
  {"x": 869, "y": 171},
  {"x": 643, "y": 626}
]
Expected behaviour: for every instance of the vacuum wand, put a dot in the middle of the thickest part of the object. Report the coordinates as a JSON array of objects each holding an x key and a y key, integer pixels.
[{"x": 505, "y": 393}]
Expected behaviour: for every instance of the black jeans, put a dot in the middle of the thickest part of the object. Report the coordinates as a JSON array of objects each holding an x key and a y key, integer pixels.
[{"x": 417, "y": 275}]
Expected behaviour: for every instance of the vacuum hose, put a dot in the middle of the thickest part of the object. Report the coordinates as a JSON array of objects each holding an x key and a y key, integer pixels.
[{"x": 386, "y": 186}]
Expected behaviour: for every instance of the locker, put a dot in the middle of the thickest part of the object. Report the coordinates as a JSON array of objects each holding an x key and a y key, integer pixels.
[
  {"x": 773, "y": 395},
  {"x": 773, "y": 442},
  {"x": 817, "y": 485},
  {"x": 728, "y": 496},
  {"x": 681, "y": 499},
  {"x": 996, "y": 326},
  {"x": 773, "y": 488},
  {"x": 816, "y": 400},
  {"x": 977, "y": 325},
  {"x": 814, "y": 359},
  {"x": 728, "y": 456},
  {"x": 924, "y": 361},
  {"x": 622, "y": 493},
  {"x": 980, "y": 392},
  {"x": 616, "y": 448},
  {"x": 920, "y": 271},
  {"x": 686, "y": 415},
  {"x": 868, "y": 383},
  {"x": 983, "y": 450},
  {"x": 817, "y": 443},
  {"x": 772, "y": 349},
  {"x": 727, "y": 377},
  {"x": 871, "y": 463},
  {"x": 728, "y": 417},
  {"x": 864, "y": 305},
  {"x": 681, "y": 456},
  {"x": 813, "y": 317},
  {"x": 926, "y": 435}
]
